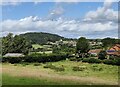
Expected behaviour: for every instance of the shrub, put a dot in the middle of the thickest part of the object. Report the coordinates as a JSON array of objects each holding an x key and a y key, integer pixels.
[
  {"x": 117, "y": 61},
  {"x": 108, "y": 61},
  {"x": 73, "y": 59},
  {"x": 112, "y": 57},
  {"x": 45, "y": 58},
  {"x": 5, "y": 59},
  {"x": 97, "y": 68},
  {"x": 24, "y": 63},
  {"x": 102, "y": 55},
  {"x": 49, "y": 66},
  {"x": 37, "y": 64},
  {"x": 13, "y": 60},
  {"x": 54, "y": 67},
  {"x": 59, "y": 69},
  {"x": 15, "y": 64},
  {"x": 79, "y": 59},
  {"x": 79, "y": 68},
  {"x": 85, "y": 60},
  {"x": 93, "y": 60}
]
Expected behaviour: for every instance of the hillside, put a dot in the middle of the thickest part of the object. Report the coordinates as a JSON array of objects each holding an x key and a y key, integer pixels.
[{"x": 41, "y": 38}]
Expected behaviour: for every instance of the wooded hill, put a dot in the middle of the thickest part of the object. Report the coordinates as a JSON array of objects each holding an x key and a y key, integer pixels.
[{"x": 41, "y": 38}]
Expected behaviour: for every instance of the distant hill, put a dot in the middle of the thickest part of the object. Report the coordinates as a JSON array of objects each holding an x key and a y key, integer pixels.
[{"x": 42, "y": 38}]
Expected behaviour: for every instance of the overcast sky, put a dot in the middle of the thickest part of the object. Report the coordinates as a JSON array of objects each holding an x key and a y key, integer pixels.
[{"x": 70, "y": 19}]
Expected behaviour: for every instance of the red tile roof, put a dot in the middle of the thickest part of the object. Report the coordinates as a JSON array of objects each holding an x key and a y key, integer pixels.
[
  {"x": 95, "y": 51},
  {"x": 114, "y": 50}
]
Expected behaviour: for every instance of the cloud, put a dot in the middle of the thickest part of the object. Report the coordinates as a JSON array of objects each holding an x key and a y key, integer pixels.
[
  {"x": 66, "y": 28},
  {"x": 10, "y": 2},
  {"x": 57, "y": 11},
  {"x": 96, "y": 24},
  {"x": 102, "y": 14}
]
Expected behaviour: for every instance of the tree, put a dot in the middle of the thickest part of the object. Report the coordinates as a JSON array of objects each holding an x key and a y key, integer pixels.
[
  {"x": 82, "y": 46},
  {"x": 108, "y": 42},
  {"x": 7, "y": 43},
  {"x": 102, "y": 55},
  {"x": 16, "y": 44}
]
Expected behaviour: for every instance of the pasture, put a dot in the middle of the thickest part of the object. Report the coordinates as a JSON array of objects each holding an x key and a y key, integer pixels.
[{"x": 37, "y": 74}]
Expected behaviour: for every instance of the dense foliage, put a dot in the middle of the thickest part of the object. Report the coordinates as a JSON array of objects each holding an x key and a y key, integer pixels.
[
  {"x": 41, "y": 38},
  {"x": 45, "y": 58},
  {"x": 16, "y": 44},
  {"x": 102, "y": 55},
  {"x": 82, "y": 46},
  {"x": 107, "y": 42},
  {"x": 91, "y": 60},
  {"x": 41, "y": 58}
]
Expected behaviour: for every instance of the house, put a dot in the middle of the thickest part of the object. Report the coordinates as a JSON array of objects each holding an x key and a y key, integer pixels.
[
  {"x": 114, "y": 50},
  {"x": 14, "y": 55},
  {"x": 93, "y": 43},
  {"x": 95, "y": 52}
]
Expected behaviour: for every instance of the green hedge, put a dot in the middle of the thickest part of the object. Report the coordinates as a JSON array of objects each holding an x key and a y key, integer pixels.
[
  {"x": 91, "y": 60},
  {"x": 112, "y": 62},
  {"x": 45, "y": 58},
  {"x": 12, "y": 59},
  {"x": 116, "y": 61},
  {"x": 41, "y": 58}
]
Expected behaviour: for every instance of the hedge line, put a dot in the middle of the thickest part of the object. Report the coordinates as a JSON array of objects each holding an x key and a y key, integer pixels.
[
  {"x": 105, "y": 61},
  {"x": 115, "y": 61},
  {"x": 35, "y": 58}
]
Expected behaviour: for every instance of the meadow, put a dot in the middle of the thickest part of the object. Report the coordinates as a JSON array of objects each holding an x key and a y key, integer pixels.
[{"x": 37, "y": 74}]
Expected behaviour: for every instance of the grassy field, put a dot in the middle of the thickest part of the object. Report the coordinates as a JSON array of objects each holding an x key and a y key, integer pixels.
[
  {"x": 36, "y": 46},
  {"x": 94, "y": 74}
]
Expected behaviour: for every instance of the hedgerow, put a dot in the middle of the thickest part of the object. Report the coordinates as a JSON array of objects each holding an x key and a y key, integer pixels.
[{"x": 41, "y": 58}]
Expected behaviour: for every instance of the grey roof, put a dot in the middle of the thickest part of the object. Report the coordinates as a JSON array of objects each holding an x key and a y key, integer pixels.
[{"x": 14, "y": 55}]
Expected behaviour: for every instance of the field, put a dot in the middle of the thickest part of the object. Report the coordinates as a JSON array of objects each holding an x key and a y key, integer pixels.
[{"x": 29, "y": 74}]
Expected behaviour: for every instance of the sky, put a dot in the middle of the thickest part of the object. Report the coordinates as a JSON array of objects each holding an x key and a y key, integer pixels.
[{"x": 68, "y": 19}]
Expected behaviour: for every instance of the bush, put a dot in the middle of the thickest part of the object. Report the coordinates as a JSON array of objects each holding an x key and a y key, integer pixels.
[
  {"x": 97, "y": 68},
  {"x": 54, "y": 67},
  {"x": 85, "y": 60},
  {"x": 117, "y": 61},
  {"x": 15, "y": 64},
  {"x": 24, "y": 63},
  {"x": 112, "y": 62},
  {"x": 79, "y": 68},
  {"x": 79, "y": 59},
  {"x": 13, "y": 60},
  {"x": 59, "y": 69},
  {"x": 102, "y": 55},
  {"x": 73, "y": 59},
  {"x": 37, "y": 64},
  {"x": 5, "y": 59},
  {"x": 36, "y": 58},
  {"x": 49, "y": 66},
  {"x": 45, "y": 58},
  {"x": 108, "y": 61},
  {"x": 93, "y": 60},
  {"x": 112, "y": 57}
]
